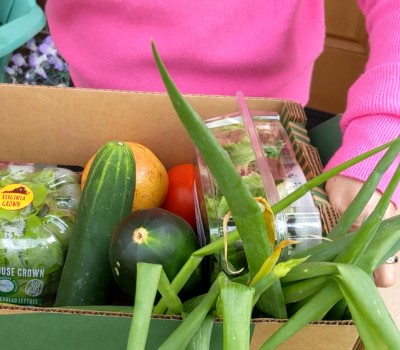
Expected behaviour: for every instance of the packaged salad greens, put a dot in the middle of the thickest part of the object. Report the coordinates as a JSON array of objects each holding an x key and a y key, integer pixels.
[
  {"x": 38, "y": 204},
  {"x": 260, "y": 149}
]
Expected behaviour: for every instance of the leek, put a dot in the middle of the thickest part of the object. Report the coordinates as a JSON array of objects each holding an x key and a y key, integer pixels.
[{"x": 148, "y": 277}]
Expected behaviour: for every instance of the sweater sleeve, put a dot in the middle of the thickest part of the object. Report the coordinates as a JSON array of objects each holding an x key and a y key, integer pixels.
[{"x": 372, "y": 115}]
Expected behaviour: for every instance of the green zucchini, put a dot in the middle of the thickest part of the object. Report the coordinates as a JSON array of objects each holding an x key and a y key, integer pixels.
[{"x": 106, "y": 198}]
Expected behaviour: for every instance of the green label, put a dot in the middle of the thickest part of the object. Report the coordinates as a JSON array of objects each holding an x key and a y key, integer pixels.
[
  {"x": 21, "y": 286},
  {"x": 34, "y": 288},
  {"x": 21, "y": 301},
  {"x": 8, "y": 285}
]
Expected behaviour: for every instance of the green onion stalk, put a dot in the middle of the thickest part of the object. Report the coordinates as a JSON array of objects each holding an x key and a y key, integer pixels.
[
  {"x": 314, "y": 282},
  {"x": 246, "y": 212},
  {"x": 148, "y": 277},
  {"x": 202, "y": 338},
  {"x": 237, "y": 307},
  {"x": 328, "y": 296}
]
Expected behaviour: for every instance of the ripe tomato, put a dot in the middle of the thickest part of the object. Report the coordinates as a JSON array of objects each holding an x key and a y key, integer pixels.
[{"x": 180, "y": 195}]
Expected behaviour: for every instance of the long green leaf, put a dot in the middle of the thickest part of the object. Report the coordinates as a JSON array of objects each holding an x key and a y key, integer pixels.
[
  {"x": 322, "y": 178},
  {"x": 297, "y": 291},
  {"x": 353, "y": 252},
  {"x": 216, "y": 246},
  {"x": 179, "y": 281},
  {"x": 301, "y": 282},
  {"x": 148, "y": 277},
  {"x": 270, "y": 263},
  {"x": 306, "y": 279},
  {"x": 245, "y": 211},
  {"x": 315, "y": 309},
  {"x": 373, "y": 321},
  {"x": 191, "y": 265},
  {"x": 236, "y": 301},
  {"x": 326, "y": 250},
  {"x": 202, "y": 339},
  {"x": 280, "y": 270},
  {"x": 250, "y": 225},
  {"x": 181, "y": 336},
  {"x": 366, "y": 306},
  {"x": 385, "y": 244},
  {"x": 171, "y": 298},
  {"x": 309, "y": 270},
  {"x": 369, "y": 187}
]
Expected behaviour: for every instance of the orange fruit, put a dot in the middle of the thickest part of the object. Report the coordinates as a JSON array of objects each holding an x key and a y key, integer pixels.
[{"x": 151, "y": 177}]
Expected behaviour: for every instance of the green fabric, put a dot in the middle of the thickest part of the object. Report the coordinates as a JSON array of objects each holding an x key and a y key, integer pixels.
[{"x": 327, "y": 138}]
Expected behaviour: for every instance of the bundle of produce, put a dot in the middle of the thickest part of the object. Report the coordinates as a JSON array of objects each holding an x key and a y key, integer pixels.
[
  {"x": 118, "y": 178},
  {"x": 38, "y": 207},
  {"x": 330, "y": 280}
]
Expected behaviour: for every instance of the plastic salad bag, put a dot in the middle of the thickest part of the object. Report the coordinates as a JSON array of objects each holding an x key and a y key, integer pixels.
[{"x": 37, "y": 211}]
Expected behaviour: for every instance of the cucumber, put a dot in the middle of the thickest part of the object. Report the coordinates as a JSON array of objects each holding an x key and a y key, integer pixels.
[
  {"x": 106, "y": 198},
  {"x": 153, "y": 235}
]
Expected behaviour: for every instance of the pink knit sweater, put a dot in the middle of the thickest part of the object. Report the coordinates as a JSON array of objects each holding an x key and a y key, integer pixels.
[{"x": 262, "y": 48}]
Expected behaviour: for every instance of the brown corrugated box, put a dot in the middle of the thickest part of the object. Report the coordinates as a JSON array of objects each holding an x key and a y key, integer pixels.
[{"x": 66, "y": 126}]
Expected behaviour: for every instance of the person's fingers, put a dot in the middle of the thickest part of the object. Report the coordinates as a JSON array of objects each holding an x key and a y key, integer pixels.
[
  {"x": 342, "y": 190},
  {"x": 386, "y": 275}
]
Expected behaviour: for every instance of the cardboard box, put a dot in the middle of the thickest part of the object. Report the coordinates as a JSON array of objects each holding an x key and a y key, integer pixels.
[{"x": 66, "y": 126}]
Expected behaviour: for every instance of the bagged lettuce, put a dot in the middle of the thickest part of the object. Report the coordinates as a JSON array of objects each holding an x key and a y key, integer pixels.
[{"x": 37, "y": 211}]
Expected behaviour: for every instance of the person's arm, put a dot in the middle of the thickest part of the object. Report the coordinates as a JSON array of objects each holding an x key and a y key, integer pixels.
[{"x": 372, "y": 116}]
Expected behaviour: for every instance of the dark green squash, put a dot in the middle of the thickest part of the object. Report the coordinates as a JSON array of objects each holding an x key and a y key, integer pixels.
[
  {"x": 106, "y": 198},
  {"x": 157, "y": 236}
]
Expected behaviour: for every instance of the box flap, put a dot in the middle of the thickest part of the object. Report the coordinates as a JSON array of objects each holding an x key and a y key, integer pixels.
[
  {"x": 315, "y": 336},
  {"x": 65, "y": 329},
  {"x": 78, "y": 121}
]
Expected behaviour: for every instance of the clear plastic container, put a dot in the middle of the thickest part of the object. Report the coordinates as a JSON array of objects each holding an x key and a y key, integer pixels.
[
  {"x": 38, "y": 205},
  {"x": 261, "y": 151}
]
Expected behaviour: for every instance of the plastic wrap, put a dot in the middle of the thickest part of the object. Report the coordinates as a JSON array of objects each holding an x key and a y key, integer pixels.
[
  {"x": 260, "y": 149},
  {"x": 38, "y": 205}
]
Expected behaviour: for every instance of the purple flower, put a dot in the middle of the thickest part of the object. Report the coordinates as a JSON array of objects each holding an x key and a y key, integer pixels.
[
  {"x": 31, "y": 45},
  {"x": 41, "y": 72},
  {"x": 18, "y": 60},
  {"x": 48, "y": 40},
  {"x": 59, "y": 64},
  {"x": 10, "y": 70},
  {"x": 28, "y": 76},
  {"x": 47, "y": 49},
  {"x": 41, "y": 65},
  {"x": 35, "y": 60}
]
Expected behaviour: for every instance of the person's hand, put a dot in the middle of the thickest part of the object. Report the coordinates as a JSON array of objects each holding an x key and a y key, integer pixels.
[{"x": 341, "y": 191}]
